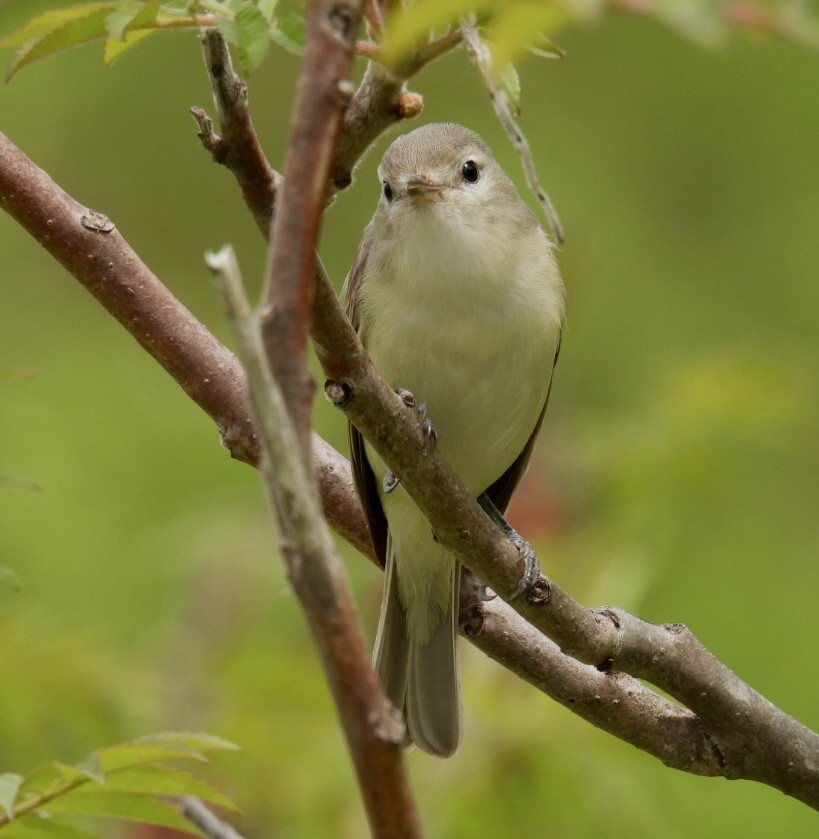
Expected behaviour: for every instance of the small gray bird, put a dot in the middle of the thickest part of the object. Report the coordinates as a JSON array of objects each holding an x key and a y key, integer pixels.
[{"x": 457, "y": 298}]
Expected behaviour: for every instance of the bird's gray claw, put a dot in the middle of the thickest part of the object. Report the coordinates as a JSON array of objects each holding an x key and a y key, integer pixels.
[
  {"x": 429, "y": 432},
  {"x": 485, "y": 593},
  {"x": 531, "y": 568},
  {"x": 427, "y": 428},
  {"x": 390, "y": 482}
]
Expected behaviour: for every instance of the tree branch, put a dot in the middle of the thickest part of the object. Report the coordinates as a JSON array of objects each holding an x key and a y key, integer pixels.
[
  {"x": 742, "y": 724},
  {"x": 106, "y": 266},
  {"x": 206, "y": 370},
  {"x": 482, "y": 59},
  {"x": 238, "y": 147},
  {"x": 372, "y": 726},
  {"x": 323, "y": 92},
  {"x": 591, "y": 636}
]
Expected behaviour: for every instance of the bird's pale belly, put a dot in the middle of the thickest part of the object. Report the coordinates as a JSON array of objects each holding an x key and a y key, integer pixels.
[{"x": 484, "y": 387}]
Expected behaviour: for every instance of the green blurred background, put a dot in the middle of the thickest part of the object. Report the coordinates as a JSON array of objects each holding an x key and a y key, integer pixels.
[{"x": 677, "y": 474}]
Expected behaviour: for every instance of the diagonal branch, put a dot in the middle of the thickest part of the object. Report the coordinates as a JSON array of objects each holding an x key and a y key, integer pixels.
[
  {"x": 373, "y": 728},
  {"x": 748, "y": 737},
  {"x": 755, "y": 740},
  {"x": 106, "y": 265},
  {"x": 672, "y": 659},
  {"x": 322, "y": 94}
]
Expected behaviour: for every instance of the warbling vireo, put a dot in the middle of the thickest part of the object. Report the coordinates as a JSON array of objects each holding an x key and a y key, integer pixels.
[{"x": 457, "y": 298}]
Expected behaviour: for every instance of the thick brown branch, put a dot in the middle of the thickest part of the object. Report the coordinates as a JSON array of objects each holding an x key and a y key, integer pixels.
[
  {"x": 205, "y": 369},
  {"x": 322, "y": 94},
  {"x": 283, "y": 407},
  {"x": 166, "y": 330},
  {"x": 613, "y": 701},
  {"x": 374, "y": 729},
  {"x": 741, "y": 723}
]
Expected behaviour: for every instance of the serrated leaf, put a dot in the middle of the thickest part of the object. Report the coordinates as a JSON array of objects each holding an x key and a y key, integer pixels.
[
  {"x": 47, "y": 22},
  {"x": 114, "y": 49},
  {"x": 145, "y": 18},
  {"x": 9, "y": 787},
  {"x": 35, "y": 826},
  {"x": 193, "y": 740},
  {"x": 162, "y": 780},
  {"x": 116, "y": 21},
  {"x": 121, "y": 805},
  {"x": 75, "y": 32},
  {"x": 115, "y": 758},
  {"x": 290, "y": 33},
  {"x": 130, "y": 16},
  {"x": 48, "y": 776},
  {"x": 413, "y": 22},
  {"x": 171, "y": 745},
  {"x": 251, "y": 33}
]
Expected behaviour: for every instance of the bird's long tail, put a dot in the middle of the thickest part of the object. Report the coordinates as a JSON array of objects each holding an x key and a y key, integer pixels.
[{"x": 421, "y": 678}]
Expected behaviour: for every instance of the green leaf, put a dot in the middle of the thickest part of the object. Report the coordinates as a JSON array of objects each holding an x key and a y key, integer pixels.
[
  {"x": 127, "y": 755},
  {"x": 91, "y": 767},
  {"x": 193, "y": 740},
  {"x": 121, "y": 805},
  {"x": 162, "y": 780},
  {"x": 174, "y": 745},
  {"x": 290, "y": 33},
  {"x": 544, "y": 48},
  {"x": 412, "y": 24},
  {"x": 9, "y": 787},
  {"x": 525, "y": 27},
  {"x": 252, "y": 38},
  {"x": 114, "y": 49},
  {"x": 267, "y": 8},
  {"x": 50, "y": 776},
  {"x": 145, "y": 18},
  {"x": 78, "y": 30},
  {"x": 48, "y": 22},
  {"x": 117, "y": 21},
  {"x": 35, "y": 826}
]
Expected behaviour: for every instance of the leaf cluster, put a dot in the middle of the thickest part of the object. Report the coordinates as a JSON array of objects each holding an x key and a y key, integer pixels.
[
  {"x": 128, "y": 781},
  {"x": 249, "y": 26}
]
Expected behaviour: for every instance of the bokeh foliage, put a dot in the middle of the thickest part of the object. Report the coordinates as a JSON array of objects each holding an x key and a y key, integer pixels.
[{"x": 677, "y": 476}]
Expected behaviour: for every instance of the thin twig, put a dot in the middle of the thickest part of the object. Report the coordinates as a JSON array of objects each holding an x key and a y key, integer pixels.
[
  {"x": 199, "y": 816},
  {"x": 373, "y": 728},
  {"x": 238, "y": 146},
  {"x": 482, "y": 59}
]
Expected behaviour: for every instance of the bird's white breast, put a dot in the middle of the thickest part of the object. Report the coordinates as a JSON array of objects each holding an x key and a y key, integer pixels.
[{"x": 471, "y": 329}]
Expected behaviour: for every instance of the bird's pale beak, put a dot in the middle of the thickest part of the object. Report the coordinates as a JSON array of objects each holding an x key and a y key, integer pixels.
[{"x": 423, "y": 189}]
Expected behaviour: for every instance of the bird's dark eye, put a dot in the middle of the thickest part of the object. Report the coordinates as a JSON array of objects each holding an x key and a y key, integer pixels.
[
  {"x": 387, "y": 191},
  {"x": 470, "y": 171}
]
